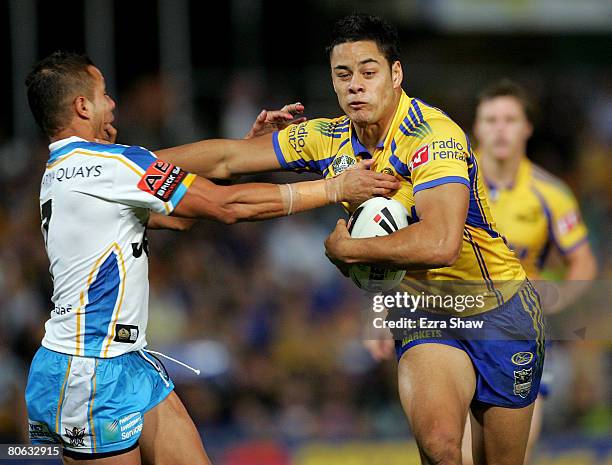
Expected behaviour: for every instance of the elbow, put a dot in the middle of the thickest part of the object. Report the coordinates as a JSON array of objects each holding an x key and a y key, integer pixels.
[{"x": 445, "y": 253}]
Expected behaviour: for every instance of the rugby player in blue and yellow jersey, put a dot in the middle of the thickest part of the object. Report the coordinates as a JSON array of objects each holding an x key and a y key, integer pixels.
[
  {"x": 534, "y": 210},
  {"x": 451, "y": 237}
]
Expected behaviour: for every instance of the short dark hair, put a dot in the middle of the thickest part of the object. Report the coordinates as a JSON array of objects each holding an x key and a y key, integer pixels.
[
  {"x": 357, "y": 27},
  {"x": 508, "y": 88},
  {"x": 53, "y": 83}
]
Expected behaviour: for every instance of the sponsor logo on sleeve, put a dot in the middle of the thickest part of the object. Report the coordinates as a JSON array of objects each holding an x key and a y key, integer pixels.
[
  {"x": 568, "y": 222},
  {"x": 419, "y": 158},
  {"x": 297, "y": 136},
  {"x": 161, "y": 180}
]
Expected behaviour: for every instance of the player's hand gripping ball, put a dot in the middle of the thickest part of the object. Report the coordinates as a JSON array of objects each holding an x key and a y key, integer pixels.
[{"x": 377, "y": 217}]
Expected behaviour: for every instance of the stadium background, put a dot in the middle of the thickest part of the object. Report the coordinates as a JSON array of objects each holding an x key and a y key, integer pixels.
[{"x": 257, "y": 307}]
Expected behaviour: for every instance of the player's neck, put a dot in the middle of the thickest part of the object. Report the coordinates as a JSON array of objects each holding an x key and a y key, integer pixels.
[
  {"x": 502, "y": 173},
  {"x": 75, "y": 130}
]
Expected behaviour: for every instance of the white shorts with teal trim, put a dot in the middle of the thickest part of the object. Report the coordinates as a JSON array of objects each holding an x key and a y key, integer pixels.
[{"x": 92, "y": 405}]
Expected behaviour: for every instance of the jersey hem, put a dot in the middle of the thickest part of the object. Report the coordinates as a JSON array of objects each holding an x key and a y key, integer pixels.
[{"x": 63, "y": 350}]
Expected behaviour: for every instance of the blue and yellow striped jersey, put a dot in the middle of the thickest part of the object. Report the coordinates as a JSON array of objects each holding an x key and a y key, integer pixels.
[
  {"x": 536, "y": 212},
  {"x": 425, "y": 149}
]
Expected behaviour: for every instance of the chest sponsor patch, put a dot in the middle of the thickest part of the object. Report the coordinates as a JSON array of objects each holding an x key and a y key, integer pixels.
[
  {"x": 161, "y": 180},
  {"x": 419, "y": 158}
]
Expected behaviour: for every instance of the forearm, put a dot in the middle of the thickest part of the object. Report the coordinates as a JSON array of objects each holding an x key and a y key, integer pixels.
[
  {"x": 415, "y": 247},
  {"x": 252, "y": 202},
  {"x": 582, "y": 269},
  {"x": 174, "y": 223},
  {"x": 255, "y": 201}
]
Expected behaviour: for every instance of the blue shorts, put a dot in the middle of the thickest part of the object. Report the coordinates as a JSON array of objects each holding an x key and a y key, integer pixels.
[
  {"x": 547, "y": 372},
  {"x": 92, "y": 405},
  {"x": 507, "y": 353}
]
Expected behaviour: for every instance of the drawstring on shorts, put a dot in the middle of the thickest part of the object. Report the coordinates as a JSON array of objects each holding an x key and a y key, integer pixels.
[{"x": 162, "y": 372}]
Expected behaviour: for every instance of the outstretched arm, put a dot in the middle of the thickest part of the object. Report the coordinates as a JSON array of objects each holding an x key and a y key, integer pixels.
[
  {"x": 259, "y": 201},
  {"x": 224, "y": 158},
  {"x": 174, "y": 223}
]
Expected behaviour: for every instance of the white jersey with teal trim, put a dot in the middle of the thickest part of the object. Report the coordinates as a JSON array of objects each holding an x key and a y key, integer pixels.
[{"x": 95, "y": 201}]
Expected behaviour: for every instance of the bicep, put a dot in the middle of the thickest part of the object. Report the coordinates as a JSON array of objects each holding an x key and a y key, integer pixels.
[
  {"x": 444, "y": 209},
  {"x": 224, "y": 158},
  {"x": 252, "y": 156}
]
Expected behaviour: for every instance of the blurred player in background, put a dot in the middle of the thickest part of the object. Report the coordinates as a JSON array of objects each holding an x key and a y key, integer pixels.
[
  {"x": 534, "y": 210},
  {"x": 93, "y": 386},
  {"x": 451, "y": 236}
]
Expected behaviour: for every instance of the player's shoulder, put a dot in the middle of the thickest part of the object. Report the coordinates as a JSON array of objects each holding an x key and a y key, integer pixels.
[
  {"x": 425, "y": 121},
  {"x": 96, "y": 147},
  {"x": 549, "y": 185},
  {"x": 132, "y": 158},
  {"x": 334, "y": 128},
  {"x": 81, "y": 146}
]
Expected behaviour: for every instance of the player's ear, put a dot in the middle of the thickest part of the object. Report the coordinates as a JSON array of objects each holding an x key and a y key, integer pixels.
[
  {"x": 82, "y": 107},
  {"x": 397, "y": 74}
]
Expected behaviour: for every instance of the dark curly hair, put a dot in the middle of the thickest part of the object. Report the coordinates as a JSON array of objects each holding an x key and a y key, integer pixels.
[{"x": 357, "y": 27}]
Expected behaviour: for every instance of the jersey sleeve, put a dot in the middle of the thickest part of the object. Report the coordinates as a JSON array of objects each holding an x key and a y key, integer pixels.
[
  {"x": 567, "y": 227},
  {"x": 306, "y": 146},
  {"x": 160, "y": 188},
  {"x": 441, "y": 157},
  {"x": 139, "y": 179}
]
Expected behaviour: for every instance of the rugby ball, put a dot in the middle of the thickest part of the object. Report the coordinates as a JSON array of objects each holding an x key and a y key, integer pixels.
[{"x": 377, "y": 217}]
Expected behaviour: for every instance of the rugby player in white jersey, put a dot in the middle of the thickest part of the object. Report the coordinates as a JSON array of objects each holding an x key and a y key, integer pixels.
[{"x": 92, "y": 386}]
